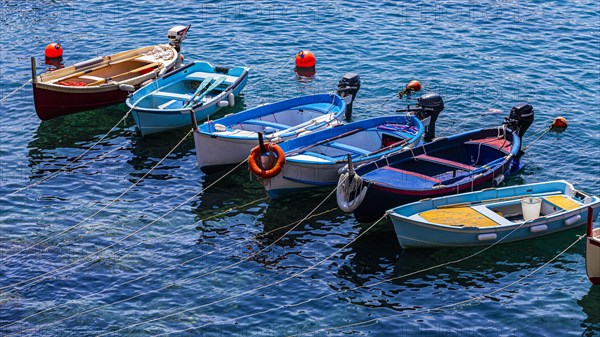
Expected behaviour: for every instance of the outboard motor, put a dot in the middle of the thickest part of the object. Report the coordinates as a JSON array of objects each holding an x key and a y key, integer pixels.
[
  {"x": 520, "y": 118},
  {"x": 430, "y": 105},
  {"x": 348, "y": 87},
  {"x": 176, "y": 35}
]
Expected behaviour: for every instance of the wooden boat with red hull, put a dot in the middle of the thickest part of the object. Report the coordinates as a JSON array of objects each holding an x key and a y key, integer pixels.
[
  {"x": 592, "y": 252},
  {"x": 103, "y": 80}
]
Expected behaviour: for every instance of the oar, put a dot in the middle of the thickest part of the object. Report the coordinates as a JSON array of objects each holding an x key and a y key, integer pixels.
[
  {"x": 151, "y": 65},
  {"x": 383, "y": 149},
  {"x": 85, "y": 72},
  {"x": 212, "y": 87},
  {"x": 324, "y": 141},
  {"x": 202, "y": 85}
]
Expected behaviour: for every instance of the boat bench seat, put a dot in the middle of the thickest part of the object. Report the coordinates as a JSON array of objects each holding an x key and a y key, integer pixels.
[
  {"x": 563, "y": 201},
  {"x": 445, "y": 162},
  {"x": 172, "y": 95},
  {"x": 347, "y": 148},
  {"x": 399, "y": 178},
  {"x": 318, "y": 155},
  {"x": 93, "y": 78},
  {"x": 200, "y": 76},
  {"x": 266, "y": 124},
  {"x": 495, "y": 143}
]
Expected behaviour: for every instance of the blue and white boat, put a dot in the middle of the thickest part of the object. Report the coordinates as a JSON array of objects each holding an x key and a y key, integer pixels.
[
  {"x": 495, "y": 215},
  {"x": 313, "y": 161},
  {"x": 228, "y": 140},
  {"x": 166, "y": 103}
]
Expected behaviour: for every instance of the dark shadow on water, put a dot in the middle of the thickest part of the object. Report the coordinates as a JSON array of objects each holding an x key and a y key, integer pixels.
[{"x": 590, "y": 305}]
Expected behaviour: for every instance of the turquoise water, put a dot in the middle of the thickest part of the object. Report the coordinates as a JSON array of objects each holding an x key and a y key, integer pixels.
[{"x": 214, "y": 265}]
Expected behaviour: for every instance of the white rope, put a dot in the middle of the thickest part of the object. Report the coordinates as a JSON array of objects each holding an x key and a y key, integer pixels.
[
  {"x": 84, "y": 220},
  {"x": 14, "y": 91},
  {"x": 447, "y": 306},
  {"x": 538, "y": 138},
  {"x": 358, "y": 287},
  {"x": 219, "y": 250},
  {"x": 272, "y": 75},
  {"x": 75, "y": 263},
  {"x": 179, "y": 311},
  {"x": 64, "y": 168}
]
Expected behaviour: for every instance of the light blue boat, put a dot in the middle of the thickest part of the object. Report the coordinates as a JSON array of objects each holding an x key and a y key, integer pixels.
[
  {"x": 228, "y": 140},
  {"x": 166, "y": 103},
  {"x": 314, "y": 161},
  {"x": 492, "y": 215}
]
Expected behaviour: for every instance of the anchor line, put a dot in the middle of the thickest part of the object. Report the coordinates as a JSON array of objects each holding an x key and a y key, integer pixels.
[
  {"x": 366, "y": 286},
  {"x": 64, "y": 168},
  {"x": 219, "y": 250},
  {"x": 72, "y": 265},
  {"x": 14, "y": 91},
  {"x": 85, "y": 220},
  {"x": 183, "y": 281},
  {"x": 272, "y": 75},
  {"x": 176, "y": 312},
  {"x": 451, "y": 305}
]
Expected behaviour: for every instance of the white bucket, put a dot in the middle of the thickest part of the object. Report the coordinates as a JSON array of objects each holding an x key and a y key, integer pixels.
[{"x": 531, "y": 208}]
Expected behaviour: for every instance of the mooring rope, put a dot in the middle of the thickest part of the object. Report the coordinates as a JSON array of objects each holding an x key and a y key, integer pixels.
[
  {"x": 357, "y": 287},
  {"x": 64, "y": 168},
  {"x": 446, "y": 306},
  {"x": 219, "y": 250},
  {"x": 91, "y": 216},
  {"x": 77, "y": 262},
  {"x": 14, "y": 91},
  {"x": 272, "y": 75},
  {"x": 189, "y": 279},
  {"x": 542, "y": 133}
]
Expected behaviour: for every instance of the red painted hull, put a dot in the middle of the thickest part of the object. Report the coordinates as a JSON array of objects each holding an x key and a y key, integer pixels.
[{"x": 51, "y": 104}]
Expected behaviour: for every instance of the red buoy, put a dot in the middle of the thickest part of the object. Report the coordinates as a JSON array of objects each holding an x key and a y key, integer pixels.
[
  {"x": 54, "y": 50},
  {"x": 305, "y": 59},
  {"x": 559, "y": 124},
  {"x": 411, "y": 87}
]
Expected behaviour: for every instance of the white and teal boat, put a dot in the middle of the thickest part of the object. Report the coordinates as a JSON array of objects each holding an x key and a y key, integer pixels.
[
  {"x": 492, "y": 215},
  {"x": 200, "y": 87}
]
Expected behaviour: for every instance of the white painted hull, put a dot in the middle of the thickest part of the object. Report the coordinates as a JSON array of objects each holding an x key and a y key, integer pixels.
[
  {"x": 592, "y": 257},
  {"x": 217, "y": 151}
]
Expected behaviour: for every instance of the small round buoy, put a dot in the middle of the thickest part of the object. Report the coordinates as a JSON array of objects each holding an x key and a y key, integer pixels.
[
  {"x": 559, "y": 124},
  {"x": 414, "y": 85},
  {"x": 54, "y": 50},
  {"x": 411, "y": 87},
  {"x": 305, "y": 59}
]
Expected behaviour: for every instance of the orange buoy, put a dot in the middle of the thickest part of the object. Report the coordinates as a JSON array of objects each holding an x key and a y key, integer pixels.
[
  {"x": 559, "y": 124},
  {"x": 305, "y": 59},
  {"x": 411, "y": 87},
  {"x": 54, "y": 50}
]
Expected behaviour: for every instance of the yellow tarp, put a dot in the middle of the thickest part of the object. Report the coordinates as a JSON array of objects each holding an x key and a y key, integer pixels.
[
  {"x": 458, "y": 216},
  {"x": 563, "y": 202}
]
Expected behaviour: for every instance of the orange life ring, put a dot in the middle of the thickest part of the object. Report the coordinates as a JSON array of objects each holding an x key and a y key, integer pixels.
[{"x": 276, "y": 162}]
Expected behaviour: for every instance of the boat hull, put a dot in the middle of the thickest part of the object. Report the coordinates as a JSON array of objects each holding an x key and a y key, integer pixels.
[
  {"x": 95, "y": 83},
  {"x": 416, "y": 235},
  {"x": 435, "y": 169},
  {"x": 239, "y": 132},
  {"x": 51, "y": 104},
  {"x": 592, "y": 256},
  {"x": 151, "y": 118},
  {"x": 428, "y": 223}
]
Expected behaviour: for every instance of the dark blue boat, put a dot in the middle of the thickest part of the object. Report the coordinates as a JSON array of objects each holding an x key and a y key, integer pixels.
[{"x": 460, "y": 163}]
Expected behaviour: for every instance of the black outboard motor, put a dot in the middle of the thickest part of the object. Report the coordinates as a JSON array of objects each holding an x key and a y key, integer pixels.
[
  {"x": 348, "y": 87},
  {"x": 520, "y": 118},
  {"x": 430, "y": 105}
]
